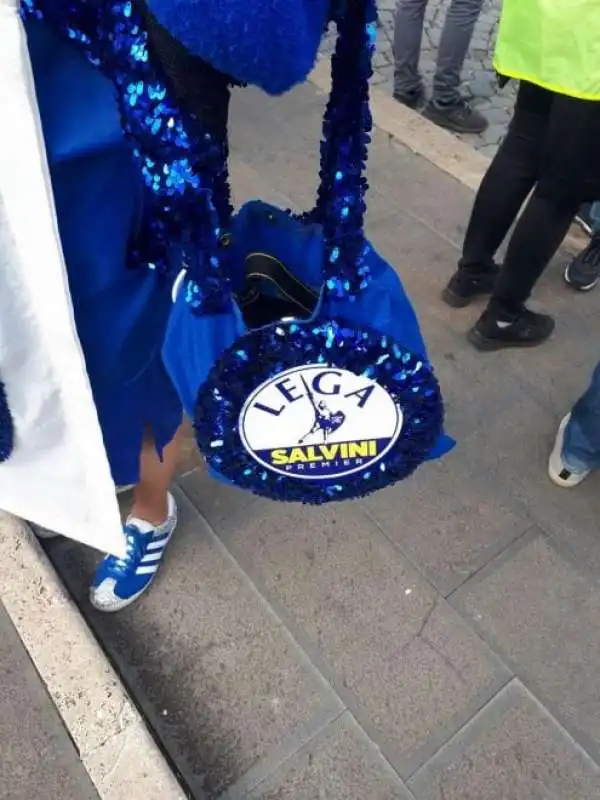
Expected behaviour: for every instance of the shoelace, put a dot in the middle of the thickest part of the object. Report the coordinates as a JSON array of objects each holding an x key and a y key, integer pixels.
[{"x": 133, "y": 554}]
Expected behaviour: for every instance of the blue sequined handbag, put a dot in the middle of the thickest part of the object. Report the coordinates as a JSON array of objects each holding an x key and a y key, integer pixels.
[{"x": 314, "y": 384}]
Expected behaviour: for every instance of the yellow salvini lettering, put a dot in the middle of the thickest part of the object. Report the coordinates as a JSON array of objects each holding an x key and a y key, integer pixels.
[
  {"x": 296, "y": 455},
  {"x": 373, "y": 447},
  {"x": 344, "y": 450},
  {"x": 279, "y": 458},
  {"x": 357, "y": 449},
  {"x": 311, "y": 455},
  {"x": 330, "y": 451}
]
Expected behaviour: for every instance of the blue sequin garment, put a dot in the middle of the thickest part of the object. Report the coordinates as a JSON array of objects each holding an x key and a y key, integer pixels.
[{"x": 179, "y": 171}]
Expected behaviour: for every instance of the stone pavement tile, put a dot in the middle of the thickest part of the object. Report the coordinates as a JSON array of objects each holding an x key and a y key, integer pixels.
[
  {"x": 37, "y": 756},
  {"x": 512, "y": 750},
  {"x": 189, "y": 457},
  {"x": 514, "y": 452},
  {"x": 399, "y": 179},
  {"x": 279, "y": 139},
  {"x": 541, "y": 614},
  {"x": 340, "y": 764},
  {"x": 212, "y": 668},
  {"x": 449, "y": 539},
  {"x": 216, "y": 501},
  {"x": 401, "y": 660}
]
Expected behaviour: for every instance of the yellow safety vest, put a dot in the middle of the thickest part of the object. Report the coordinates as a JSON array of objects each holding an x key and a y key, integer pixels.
[{"x": 552, "y": 43}]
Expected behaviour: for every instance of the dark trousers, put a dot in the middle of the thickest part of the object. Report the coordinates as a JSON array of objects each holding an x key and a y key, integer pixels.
[{"x": 515, "y": 171}]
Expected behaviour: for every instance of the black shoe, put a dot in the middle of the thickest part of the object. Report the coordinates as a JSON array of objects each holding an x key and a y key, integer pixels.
[
  {"x": 495, "y": 331},
  {"x": 583, "y": 273},
  {"x": 463, "y": 286},
  {"x": 414, "y": 99},
  {"x": 458, "y": 117}
]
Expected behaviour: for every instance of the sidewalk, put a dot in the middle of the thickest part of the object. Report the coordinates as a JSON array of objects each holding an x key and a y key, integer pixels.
[
  {"x": 38, "y": 757},
  {"x": 438, "y": 641}
]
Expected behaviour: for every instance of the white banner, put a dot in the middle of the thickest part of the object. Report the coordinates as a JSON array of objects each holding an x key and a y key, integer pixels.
[{"x": 58, "y": 475}]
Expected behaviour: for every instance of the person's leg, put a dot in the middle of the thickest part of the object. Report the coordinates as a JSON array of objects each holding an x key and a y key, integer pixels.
[
  {"x": 505, "y": 186},
  {"x": 447, "y": 107},
  {"x": 149, "y": 527},
  {"x": 408, "y": 32},
  {"x": 583, "y": 271},
  {"x": 577, "y": 447},
  {"x": 595, "y": 217},
  {"x": 536, "y": 238},
  {"x": 150, "y": 495}
]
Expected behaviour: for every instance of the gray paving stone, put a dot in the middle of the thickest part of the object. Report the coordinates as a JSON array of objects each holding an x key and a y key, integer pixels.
[
  {"x": 542, "y": 615},
  {"x": 414, "y": 671},
  {"x": 218, "y": 677},
  {"x": 341, "y": 764},
  {"x": 414, "y": 185},
  {"x": 214, "y": 500},
  {"x": 449, "y": 540},
  {"x": 38, "y": 758},
  {"x": 515, "y": 451},
  {"x": 513, "y": 750}
]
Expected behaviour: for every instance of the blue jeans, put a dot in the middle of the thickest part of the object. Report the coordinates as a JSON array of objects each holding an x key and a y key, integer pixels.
[
  {"x": 595, "y": 216},
  {"x": 581, "y": 447}
]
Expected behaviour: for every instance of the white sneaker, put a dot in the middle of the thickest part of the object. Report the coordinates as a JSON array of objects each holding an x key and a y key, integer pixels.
[{"x": 559, "y": 473}]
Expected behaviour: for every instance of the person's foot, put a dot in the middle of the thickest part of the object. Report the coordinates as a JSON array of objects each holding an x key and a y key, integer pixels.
[
  {"x": 495, "y": 330},
  {"x": 458, "y": 116},
  {"x": 464, "y": 287},
  {"x": 120, "y": 581},
  {"x": 559, "y": 472},
  {"x": 414, "y": 99},
  {"x": 583, "y": 272}
]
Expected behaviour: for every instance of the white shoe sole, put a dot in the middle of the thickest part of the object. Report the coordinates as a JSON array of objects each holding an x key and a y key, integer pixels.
[{"x": 556, "y": 465}]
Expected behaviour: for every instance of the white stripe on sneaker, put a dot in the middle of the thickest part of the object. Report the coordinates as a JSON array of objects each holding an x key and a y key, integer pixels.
[
  {"x": 158, "y": 544},
  {"x": 147, "y": 570},
  {"x": 150, "y": 557}
]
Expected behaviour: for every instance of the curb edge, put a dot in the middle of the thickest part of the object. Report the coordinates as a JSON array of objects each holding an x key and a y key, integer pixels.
[{"x": 114, "y": 743}]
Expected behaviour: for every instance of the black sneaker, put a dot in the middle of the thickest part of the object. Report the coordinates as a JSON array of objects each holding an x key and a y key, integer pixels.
[
  {"x": 458, "y": 117},
  {"x": 463, "y": 286},
  {"x": 414, "y": 99},
  {"x": 494, "y": 331},
  {"x": 583, "y": 272}
]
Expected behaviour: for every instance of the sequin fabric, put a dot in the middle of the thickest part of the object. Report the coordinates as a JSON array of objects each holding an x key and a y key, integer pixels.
[
  {"x": 179, "y": 171},
  {"x": 264, "y": 353},
  {"x": 7, "y": 432}
]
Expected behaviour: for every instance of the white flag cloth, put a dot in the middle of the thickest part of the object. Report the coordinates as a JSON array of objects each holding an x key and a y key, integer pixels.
[{"x": 58, "y": 474}]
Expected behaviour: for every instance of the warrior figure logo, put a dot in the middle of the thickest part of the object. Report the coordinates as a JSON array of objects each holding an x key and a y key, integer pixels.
[{"x": 326, "y": 420}]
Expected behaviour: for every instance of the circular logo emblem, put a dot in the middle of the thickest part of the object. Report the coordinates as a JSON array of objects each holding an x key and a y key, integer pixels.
[{"x": 316, "y": 422}]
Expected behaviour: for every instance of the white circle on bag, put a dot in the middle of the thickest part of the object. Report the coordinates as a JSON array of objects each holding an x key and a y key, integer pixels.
[{"x": 317, "y": 422}]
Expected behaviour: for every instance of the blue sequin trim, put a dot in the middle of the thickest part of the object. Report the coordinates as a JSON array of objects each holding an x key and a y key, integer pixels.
[{"x": 7, "y": 430}]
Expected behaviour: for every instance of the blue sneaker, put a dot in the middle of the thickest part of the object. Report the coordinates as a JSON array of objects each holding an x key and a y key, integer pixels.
[{"x": 120, "y": 581}]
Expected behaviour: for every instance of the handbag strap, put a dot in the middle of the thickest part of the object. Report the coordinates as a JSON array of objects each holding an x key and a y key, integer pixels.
[{"x": 183, "y": 160}]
